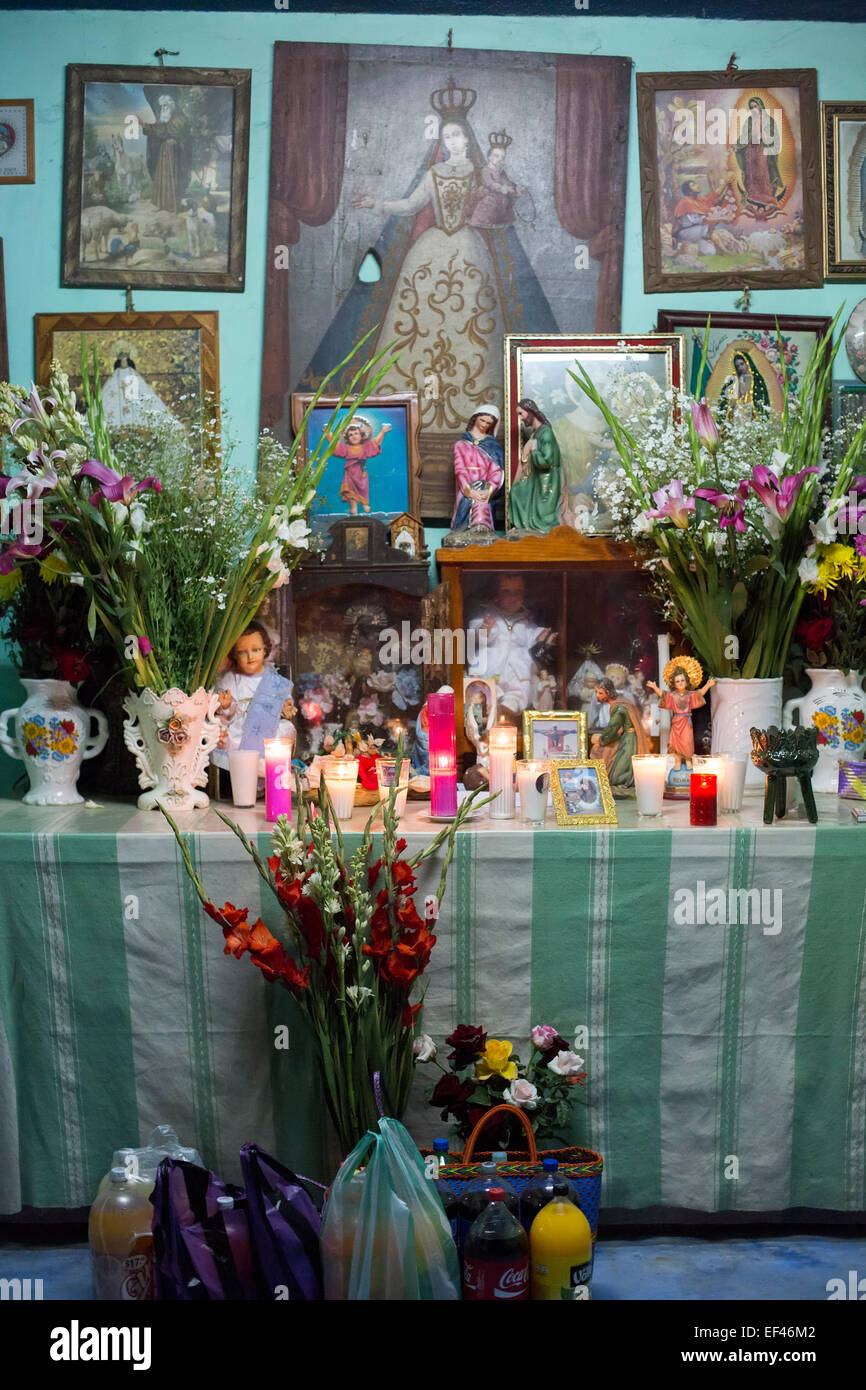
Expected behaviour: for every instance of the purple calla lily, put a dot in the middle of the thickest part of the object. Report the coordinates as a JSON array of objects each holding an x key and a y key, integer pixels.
[
  {"x": 705, "y": 426},
  {"x": 113, "y": 487},
  {"x": 731, "y": 505},
  {"x": 778, "y": 497},
  {"x": 671, "y": 503},
  {"x": 18, "y": 550}
]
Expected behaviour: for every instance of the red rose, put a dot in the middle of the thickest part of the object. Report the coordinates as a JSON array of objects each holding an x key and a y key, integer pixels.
[
  {"x": 72, "y": 665},
  {"x": 452, "y": 1094},
  {"x": 813, "y": 632},
  {"x": 468, "y": 1043}
]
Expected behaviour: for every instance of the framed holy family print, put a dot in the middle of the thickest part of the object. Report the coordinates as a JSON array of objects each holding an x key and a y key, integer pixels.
[
  {"x": 374, "y": 469},
  {"x": 556, "y": 440},
  {"x": 730, "y": 180},
  {"x": 843, "y": 147},
  {"x": 748, "y": 355},
  {"x": 490, "y": 188},
  {"x": 581, "y": 793}
]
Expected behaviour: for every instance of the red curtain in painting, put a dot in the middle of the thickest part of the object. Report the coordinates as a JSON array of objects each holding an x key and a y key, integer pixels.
[
  {"x": 308, "y": 141},
  {"x": 592, "y": 103}
]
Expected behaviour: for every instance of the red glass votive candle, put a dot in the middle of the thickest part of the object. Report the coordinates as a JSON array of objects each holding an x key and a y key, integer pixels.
[{"x": 702, "y": 807}]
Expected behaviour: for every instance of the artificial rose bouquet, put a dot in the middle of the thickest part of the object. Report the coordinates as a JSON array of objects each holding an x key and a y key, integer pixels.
[{"x": 485, "y": 1072}]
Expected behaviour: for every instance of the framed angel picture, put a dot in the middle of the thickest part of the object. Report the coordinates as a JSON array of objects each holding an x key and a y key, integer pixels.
[
  {"x": 730, "y": 180},
  {"x": 437, "y": 200}
]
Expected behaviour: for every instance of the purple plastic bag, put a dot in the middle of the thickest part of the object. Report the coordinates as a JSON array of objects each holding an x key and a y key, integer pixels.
[
  {"x": 202, "y": 1251},
  {"x": 284, "y": 1227}
]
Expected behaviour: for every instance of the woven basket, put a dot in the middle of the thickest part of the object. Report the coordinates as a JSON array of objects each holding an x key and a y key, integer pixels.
[{"x": 582, "y": 1167}]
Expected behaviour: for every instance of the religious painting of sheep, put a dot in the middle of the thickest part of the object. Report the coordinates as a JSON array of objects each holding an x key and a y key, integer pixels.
[
  {"x": 730, "y": 180},
  {"x": 155, "y": 177}
]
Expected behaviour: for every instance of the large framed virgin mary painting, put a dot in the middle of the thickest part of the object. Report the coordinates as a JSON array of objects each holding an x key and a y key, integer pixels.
[
  {"x": 730, "y": 180},
  {"x": 437, "y": 200}
]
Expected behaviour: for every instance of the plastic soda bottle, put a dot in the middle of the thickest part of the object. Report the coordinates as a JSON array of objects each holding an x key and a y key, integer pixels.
[
  {"x": 496, "y": 1253},
  {"x": 539, "y": 1191},
  {"x": 121, "y": 1241},
  {"x": 477, "y": 1195},
  {"x": 560, "y": 1244}
]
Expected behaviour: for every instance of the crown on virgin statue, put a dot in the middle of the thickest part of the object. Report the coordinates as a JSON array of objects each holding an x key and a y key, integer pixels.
[
  {"x": 452, "y": 100},
  {"x": 499, "y": 139}
]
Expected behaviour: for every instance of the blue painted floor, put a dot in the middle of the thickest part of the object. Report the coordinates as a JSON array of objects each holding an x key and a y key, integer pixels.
[{"x": 677, "y": 1269}]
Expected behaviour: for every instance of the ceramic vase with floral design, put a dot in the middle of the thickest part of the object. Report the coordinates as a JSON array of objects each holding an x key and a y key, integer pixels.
[
  {"x": 836, "y": 707},
  {"x": 52, "y": 737},
  {"x": 171, "y": 737}
]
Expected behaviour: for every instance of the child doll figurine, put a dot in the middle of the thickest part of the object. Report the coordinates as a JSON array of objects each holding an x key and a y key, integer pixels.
[
  {"x": 682, "y": 675},
  {"x": 255, "y": 701}
]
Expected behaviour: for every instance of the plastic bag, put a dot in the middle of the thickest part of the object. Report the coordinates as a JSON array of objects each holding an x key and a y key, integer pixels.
[
  {"x": 284, "y": 1228},
  {"x": 141, "y": 1164},
  {"x": 203, "y": 1249},
  {"x": 385, "y": 1234}
]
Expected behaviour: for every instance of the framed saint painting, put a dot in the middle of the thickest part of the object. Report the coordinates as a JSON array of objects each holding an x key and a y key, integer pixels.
[
  {"x": 549, "y": 417},
  {"x": 17, "y": 157},
  {"x": 155, "y": 177},
  {"x": 843, "y": 148},
  {"x": 154, "y": 368},
  {"x": 748, "y": 355},
  {"x": 730, "y": 180},
  {"x": 374, "y": 469},
  {"x": 489, "y": 188},
  {"x": 4, "y": 341}
]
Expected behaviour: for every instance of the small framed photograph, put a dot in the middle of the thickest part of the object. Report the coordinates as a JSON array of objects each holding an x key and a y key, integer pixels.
[
  {"x": 849, "y": 403},
  {"x": 155, "y": 177},
  {"x": 17, "y": 157},
  {"x": 548, "y": 416},
  {"x": 152, "y": 366},
  {"x": 581, "y": 793},
  {"x": 554, "y": 734},
  {"x": 4, "y": 341},
  {"x": 748, "y": 355},
  {"x": 843, "y": 150},
  {"x": 375, "y": 469},
  {"x": 730, "y": 180}
]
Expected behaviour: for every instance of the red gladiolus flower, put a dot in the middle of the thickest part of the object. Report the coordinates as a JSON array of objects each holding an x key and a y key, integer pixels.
[
  {"x": 229, "y": 916},
  {"x": 373, "y": 873},
  {"x": 311, "y": 926},
  {"x": 410, "y": 1013}
]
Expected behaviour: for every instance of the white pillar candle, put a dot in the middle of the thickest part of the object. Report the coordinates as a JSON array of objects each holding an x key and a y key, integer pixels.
[
  {"x": 533, "y": 784},
  {"x": 503, "y": 746},
  {"x": 663, "y": 715},
  {"x": 341, "y": 775},
  {"x": 731, "y": 785},
  {"x": 244, "y": 773},
  {"x": 650, "y": 771}
]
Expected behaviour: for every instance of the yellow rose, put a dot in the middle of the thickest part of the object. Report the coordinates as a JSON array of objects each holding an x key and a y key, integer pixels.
[{"x": 495, "y": 1061}]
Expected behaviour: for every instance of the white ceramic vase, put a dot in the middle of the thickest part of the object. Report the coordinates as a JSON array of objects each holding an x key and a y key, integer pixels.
[
  {"x": 738, "y": 706},
  {"x": 52, "y": 737},
  {"x": 171, "y": 737},
  {"x": 836, "y": 706}
]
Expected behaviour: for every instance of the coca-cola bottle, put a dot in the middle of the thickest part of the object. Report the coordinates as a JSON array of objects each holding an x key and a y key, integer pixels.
[
  {"x": 477, "y": 1195},
  {"x": 496, "y": 1253}
]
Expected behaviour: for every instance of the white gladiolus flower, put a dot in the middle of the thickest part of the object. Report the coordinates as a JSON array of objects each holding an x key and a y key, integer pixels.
[{"x": 296, "y": 533}]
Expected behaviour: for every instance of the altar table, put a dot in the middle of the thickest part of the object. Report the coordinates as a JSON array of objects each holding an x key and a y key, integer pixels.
[{"x": 726, "y": 1055}]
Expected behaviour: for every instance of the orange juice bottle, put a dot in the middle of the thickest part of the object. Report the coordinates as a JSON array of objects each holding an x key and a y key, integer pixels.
[
  {"x": 121, "y": 1241},
  {"x": 560, "y": 1250}
]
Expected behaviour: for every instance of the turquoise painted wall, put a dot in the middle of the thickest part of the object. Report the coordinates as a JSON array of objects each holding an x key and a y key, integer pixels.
[{"x": 37, "y": 48}]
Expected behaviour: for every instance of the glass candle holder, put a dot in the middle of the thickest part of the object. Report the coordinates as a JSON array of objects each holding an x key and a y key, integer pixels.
[
  {"x": 503, "y": 746},
  {"x": 650, "y": 771},
  {"x": 341, "y": 776},
  {"x": 731, "y": 789},
  {"x": 443, "y": 753},
  {"x": 244, "y": 774},
  {"x": 533, "y": 785},
  {"x": 386, "y": 775},
  {"x": 703, "y": 797},
  {"x": 278, "y": 777}
]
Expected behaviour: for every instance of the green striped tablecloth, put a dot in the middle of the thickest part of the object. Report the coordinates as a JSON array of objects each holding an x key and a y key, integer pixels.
[{"x": 727, "y": 1063}]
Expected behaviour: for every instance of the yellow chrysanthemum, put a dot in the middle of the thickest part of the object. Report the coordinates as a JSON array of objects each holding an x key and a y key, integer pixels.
[
  {"x": 54, "y": 567},
  {"x": 9, "y": 583},
  {"x": 495, "y": 1060}
]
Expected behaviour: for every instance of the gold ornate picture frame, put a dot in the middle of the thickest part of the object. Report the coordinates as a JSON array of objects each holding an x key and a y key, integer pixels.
[
  {"x": 567, "y": 728},
  {"x": 581, "y": 792}
]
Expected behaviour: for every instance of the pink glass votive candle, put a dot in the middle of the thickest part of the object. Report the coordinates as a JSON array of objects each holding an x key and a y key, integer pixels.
[
  {"x": 443, "y": 753},
  {"x": 278, "y": 777}
]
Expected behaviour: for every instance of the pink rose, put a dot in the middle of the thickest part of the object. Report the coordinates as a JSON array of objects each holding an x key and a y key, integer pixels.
[
  {"x": 521, "y": 1093},
  {"x": 544, "y": 1036},
  {"x": 566, "y": 1064}
]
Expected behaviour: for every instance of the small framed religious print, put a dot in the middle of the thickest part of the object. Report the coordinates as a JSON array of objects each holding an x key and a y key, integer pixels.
[
  {"x": 749, "y": 356},
  {"x": 843, "y": 148},
  {"x": 154, "y": 368},
  {"x": 554, "y": 734},
  {"x": 17, "y": 157},
  {"x": 581, "y": 793},
  {"x": 155, "y": 177},
  {"x": 374, "y": 469},
  {"x": 730, "y": 180},
  {"x": 556, "y": 440}
]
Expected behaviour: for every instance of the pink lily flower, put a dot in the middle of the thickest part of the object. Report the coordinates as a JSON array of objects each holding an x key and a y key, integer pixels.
[
  {"x": 732, "y": 506},
  {"x": 18, "y": 550},
  {"x": 778, "y": 497},
  {"x": 112, "y": 486},
  {"x": 671, "y": 503},
  {"x": 38, "y": 474},
  {"x": 34, "y": 410},
  {"x": 705, "y": 426}
]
